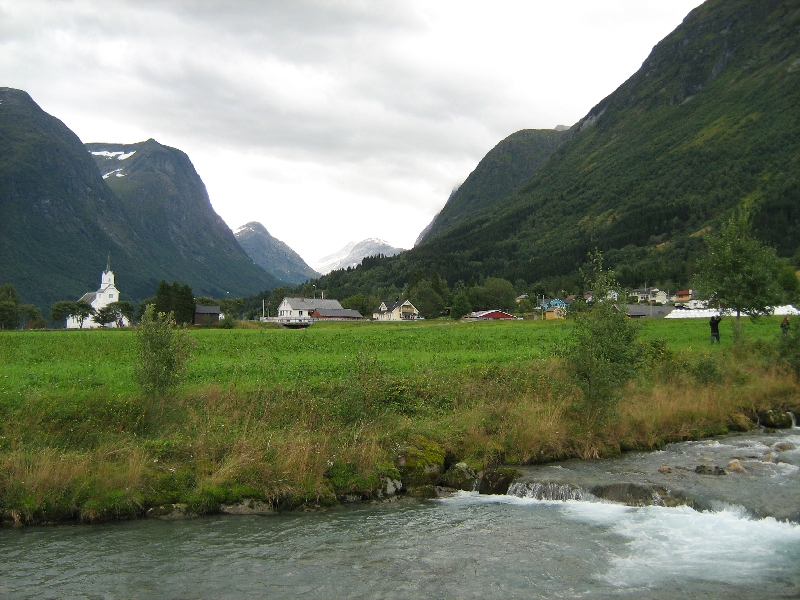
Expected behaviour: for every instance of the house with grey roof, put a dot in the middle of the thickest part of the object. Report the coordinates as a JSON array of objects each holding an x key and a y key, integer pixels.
[
  {"x": 299, "y": 310},
  {"x": 401, "y": 310}
]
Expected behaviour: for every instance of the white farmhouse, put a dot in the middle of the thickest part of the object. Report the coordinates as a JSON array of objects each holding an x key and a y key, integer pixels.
[
  {"x": 300, "y": 309},
  {"x": 104, "y": 296}
]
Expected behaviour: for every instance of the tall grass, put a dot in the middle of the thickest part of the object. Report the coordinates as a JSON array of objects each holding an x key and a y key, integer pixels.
[{"x": 311, "y": 417}]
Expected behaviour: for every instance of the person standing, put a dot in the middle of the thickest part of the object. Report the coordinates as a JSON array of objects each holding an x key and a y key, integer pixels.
[
  {"x": 785, "y": 326},
  {"x": 714, "y": 323}
]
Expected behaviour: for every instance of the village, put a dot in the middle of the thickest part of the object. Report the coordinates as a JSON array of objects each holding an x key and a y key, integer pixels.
[{"x": 104, "y": 308}]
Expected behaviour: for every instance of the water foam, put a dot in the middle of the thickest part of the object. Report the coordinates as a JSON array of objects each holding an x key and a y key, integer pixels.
[{"x": 724, "y": 546}]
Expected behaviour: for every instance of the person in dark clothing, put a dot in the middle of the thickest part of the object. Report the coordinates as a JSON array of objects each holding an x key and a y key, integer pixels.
[
  {"x": 785, "y": 326},
  {"x": 714, "y": 322}
]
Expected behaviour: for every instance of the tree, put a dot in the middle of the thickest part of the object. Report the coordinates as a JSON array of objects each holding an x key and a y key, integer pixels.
[
  {"x": 176, "y": 299},
  {"x": 105, "y": 315},
  {"x": 426, "y": 300},
  {"x": 789, "y": 284},
  {"x": 461, "y": 305},
  {"x": 739, "y": 273},
  {"x": 601, "y": 355},
  {"x": 9, "y": 306},
  {"x": 62, "y": 310},
  {"x": 360, "y": 303},
  {"x": 161, "y": 354},
  {"x": 123, "y": 308},
  {"x": 83, "y": 310}
]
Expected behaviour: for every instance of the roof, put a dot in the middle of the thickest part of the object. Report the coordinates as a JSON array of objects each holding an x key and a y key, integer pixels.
[
  {"x": 206, "y": 310},
  {"x": 310, "y": 304},
  {"x": 487, "y": 314},
  {"x": 88, "y": 297},
  {"x": 338, "y": 313},
  {"x": 390, "y": 306}
]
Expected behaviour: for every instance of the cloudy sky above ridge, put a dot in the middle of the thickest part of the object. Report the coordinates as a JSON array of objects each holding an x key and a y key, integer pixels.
[{"x": 327, "y": 121}]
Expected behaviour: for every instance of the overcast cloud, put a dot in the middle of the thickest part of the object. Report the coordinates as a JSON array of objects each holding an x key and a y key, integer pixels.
[{"x": 327, "y": 121}]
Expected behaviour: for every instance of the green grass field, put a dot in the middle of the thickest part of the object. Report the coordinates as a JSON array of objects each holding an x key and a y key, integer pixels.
[{"x": 299, "y": 417}]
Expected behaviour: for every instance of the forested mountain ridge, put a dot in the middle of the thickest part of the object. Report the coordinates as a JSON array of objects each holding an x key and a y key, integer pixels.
[
  {"x": 273, "y": 255},
  {"x": 167, "y": 207},
  {"x": 709, "y": 123},
  {"x": 506, "y": 168},
  {"x": 60, "y": 220}
]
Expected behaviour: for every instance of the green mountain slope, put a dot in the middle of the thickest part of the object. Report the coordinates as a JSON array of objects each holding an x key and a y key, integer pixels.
[
  {"x": 169, "y": 212},
  {"x": 272, "y": 255},
  {"x": 58, "y": 219},
  {"x": 505, "y": 169},
  {"x": 710, "y": 122}
]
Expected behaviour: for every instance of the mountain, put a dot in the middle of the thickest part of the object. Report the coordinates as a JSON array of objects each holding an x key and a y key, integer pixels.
[
  {"x": 167, "y": 208},
  {"x": 272, "y": 255},
  {"x": 60, "y": 220},
  {"x": 709, "y": 123},
  {"x": 505, "y": 169},
  {"x": 354, "y": 253}
]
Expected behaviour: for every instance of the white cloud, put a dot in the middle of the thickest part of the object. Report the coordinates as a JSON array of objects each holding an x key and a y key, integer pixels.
[{"x": 361, "y": 115}]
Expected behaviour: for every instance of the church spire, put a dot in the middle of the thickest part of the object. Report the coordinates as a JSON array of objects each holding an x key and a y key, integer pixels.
[{"x": 108, "y": 263}]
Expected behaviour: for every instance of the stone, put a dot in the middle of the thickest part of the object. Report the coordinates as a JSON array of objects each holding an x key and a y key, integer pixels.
[
  {"x": 632, "y": 494},
  {"x": 497, "y": 481},
  {"x": 460, "y": 477},
  {"x": 421, "y": 462},
  {"x": 246, "y": 507},
  {"x": 665, "y": 469},
  {"x": 783, "y": 446},
  {"x": 393, "y": 486},
  {"x": 775, "y": 419},
  {"x": 734, "y": 466},
  {"x": 169, "y": 512},
  {"x": 710, "y": 470}
]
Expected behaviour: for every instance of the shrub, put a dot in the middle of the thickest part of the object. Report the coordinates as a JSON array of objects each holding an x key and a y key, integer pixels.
[{"x": 161, "y": 353}]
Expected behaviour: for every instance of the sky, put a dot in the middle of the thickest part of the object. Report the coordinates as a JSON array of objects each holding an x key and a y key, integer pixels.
[{"x": 328, "y": 121}]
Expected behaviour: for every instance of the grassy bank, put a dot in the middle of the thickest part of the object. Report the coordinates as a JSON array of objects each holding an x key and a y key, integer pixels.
[{"x": 310, "y": 417}]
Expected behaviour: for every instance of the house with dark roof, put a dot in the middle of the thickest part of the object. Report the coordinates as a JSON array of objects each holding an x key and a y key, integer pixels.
[
  {"x": 401, "y": 310},
  {"x": 301, "y": 308},
  {"x": 336, "y": 314}
]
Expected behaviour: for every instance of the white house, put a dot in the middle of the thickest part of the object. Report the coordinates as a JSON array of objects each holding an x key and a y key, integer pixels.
[
  {"x": 104, "y": 296},
  {"x": 300, "y": 309},
  {"x": 402, "y": 310},
  {"x": 646, "y": 295}
]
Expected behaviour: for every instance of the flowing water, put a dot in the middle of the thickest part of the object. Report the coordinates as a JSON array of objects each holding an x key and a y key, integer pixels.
[{"x": 463, "y": 546}]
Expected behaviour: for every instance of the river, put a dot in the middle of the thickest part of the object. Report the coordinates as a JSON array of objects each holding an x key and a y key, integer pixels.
[{"x": 462, "y": 546}]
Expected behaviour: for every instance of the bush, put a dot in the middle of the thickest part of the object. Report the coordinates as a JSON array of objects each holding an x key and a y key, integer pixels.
[{"x": 161, "y": 353}]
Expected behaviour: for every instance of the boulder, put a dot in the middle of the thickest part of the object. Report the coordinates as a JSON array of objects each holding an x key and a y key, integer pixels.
[
  {"x": 665, "y": 469},
  {"x": 632, "y": 494},
  {"x": 460, "y": 476},
  {"x": 421, "y": 462},
  {"x": 710, "y": 470},
  {"x": 783, "y": 446},
  {"x": 497, "y": 481},
  {"x": 169, "y": 512},
  {"x": 775, "y": 419},
  {"x": 246, "y": 507},
  {"x": 734, "y": 466}
]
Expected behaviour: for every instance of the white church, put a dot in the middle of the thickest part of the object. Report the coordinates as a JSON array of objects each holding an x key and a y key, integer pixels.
[{"x": 107, "y": 294}]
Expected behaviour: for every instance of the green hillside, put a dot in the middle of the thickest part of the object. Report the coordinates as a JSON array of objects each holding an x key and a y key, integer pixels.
[
  {"x": 180, "y": 235},
  {"x": 710, "y": 122},
  {"x": 58, "y": 219},
  {"x": 505, "y": 169}
]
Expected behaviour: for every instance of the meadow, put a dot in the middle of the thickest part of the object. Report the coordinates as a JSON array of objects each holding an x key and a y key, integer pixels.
[{"x": 300, "y": 418}]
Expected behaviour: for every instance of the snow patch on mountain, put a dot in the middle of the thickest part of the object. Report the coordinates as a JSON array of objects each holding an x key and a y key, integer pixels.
[{"x": 353, "y": 253}]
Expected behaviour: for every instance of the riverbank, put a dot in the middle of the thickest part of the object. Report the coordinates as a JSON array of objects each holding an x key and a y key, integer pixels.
[{"x": 336, "y": 413}]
